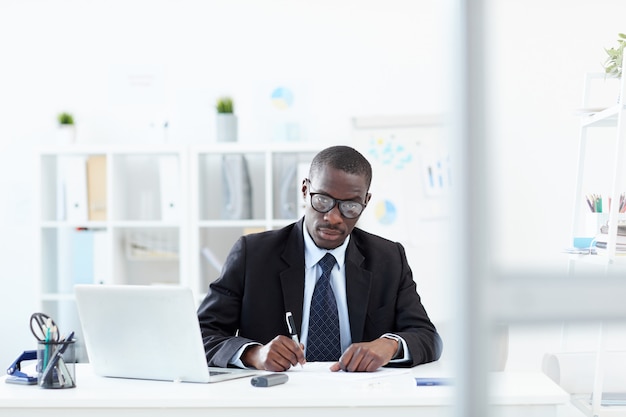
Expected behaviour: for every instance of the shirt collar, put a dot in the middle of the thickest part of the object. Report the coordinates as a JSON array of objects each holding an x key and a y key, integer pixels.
[{"x": 313, "y": 253}]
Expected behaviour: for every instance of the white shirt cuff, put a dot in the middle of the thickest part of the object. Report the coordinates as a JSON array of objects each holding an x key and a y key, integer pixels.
[
  {"x": 236, "y": 359},
  {"x": 406, "y": 355}
]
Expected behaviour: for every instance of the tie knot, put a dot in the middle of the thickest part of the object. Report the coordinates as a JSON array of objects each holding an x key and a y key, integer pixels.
[{"x": 327, "y": 263}]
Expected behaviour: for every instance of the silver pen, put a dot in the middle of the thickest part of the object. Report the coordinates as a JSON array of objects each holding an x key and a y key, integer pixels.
[{"x": 291, "y": 326}]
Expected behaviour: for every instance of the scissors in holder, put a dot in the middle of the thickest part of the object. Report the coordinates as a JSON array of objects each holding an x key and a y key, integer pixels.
[{"x": 44, "y": 328}]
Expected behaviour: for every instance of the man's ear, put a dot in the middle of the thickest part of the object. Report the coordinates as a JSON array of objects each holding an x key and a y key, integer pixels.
[
  {"x": 368, "y": 196},
  {"x": 304, "y": 189}
]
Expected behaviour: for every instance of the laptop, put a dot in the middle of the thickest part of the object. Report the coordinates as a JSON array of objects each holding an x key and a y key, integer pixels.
[{"x": 146, "y": 332}]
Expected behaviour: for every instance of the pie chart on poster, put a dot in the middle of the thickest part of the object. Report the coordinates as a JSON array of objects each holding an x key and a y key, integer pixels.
[
  {"x": 282, "y": 98},
  {"x": 385, "y": 212}
]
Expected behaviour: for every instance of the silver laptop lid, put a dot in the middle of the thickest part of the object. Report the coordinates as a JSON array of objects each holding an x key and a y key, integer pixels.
[{"x": 144, "y": 332}]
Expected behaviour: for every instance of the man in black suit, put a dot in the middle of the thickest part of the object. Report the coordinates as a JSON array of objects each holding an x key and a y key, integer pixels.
[{"x": 380, "y": 317}]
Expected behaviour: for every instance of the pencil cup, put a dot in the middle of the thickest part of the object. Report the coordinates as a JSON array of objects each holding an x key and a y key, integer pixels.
[{"x": 56, "y": 364}]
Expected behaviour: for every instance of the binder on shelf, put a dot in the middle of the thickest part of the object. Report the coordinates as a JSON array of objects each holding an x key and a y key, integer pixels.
[
  {"x": 61, "y": 215},
  {"x": 291, "y": 202},
  {"x": 288, "y": 194},
  {"x": 82, "y": 257},
  {"x": 96, "y": 187},
  {"x": 101, "y": 258},
  {"x": 237, "y": 189},
  {"x": 74, "y": 183},
  {"x": 64, "y": 276},
  {"x": 169, "y": 180},
  {"x": 303, "y": 172}
]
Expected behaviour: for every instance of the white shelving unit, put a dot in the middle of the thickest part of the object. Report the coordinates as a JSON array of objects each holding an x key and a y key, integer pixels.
[
  {"x": 275, "y": 174},
  {"x": 612, "y": 118},
  {"x": 584, "y": 404},
  {"x": 161, "y": 209}
]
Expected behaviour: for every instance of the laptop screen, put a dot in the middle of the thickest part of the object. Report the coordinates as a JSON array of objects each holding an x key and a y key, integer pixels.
[{"x": 144, "y": 332}]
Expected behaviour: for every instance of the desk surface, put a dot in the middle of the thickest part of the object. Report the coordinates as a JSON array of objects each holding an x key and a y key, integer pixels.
[{"x": 306, "y": 393}]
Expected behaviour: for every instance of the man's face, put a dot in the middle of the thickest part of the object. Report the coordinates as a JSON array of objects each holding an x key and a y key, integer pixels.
[{"x": 329, "y": 230}]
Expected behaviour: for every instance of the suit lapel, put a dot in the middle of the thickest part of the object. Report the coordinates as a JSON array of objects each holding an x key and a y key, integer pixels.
[
  {"x": 358, "y": 282},
  {"x": 292, "y": 277}
]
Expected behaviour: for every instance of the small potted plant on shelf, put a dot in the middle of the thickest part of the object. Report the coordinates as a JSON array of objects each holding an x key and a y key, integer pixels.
[
  {"x": 226, "y": 123},
  {"x": 613, "y": 63},
  {"x": 66, "y": 133}
]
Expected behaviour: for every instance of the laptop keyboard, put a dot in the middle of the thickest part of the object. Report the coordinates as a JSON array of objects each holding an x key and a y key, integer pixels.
[{"x": 215, "y": 373}]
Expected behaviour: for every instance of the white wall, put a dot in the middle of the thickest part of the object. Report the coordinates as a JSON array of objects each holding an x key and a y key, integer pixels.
[
  {"x": 347, "y": 57},
  {"x": 539, "y": 52},
  {"x": 343, "y": 59}
]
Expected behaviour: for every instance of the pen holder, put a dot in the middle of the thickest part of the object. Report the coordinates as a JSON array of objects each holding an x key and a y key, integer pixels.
[{"x": 56, "y": 364}]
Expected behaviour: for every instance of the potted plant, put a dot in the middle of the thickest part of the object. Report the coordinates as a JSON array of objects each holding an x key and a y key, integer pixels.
[
  {"x": 613, "y": 63},
  {"x": 65, "y": 119},
  {"x": 66, "y": 133},
  {"x": 226, "y": 123}
]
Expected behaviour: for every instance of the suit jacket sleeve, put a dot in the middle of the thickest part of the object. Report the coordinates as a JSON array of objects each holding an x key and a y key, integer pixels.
[
  {"x": 412, "y": 320},
  {"x": 262, "y": 278},
  {"x": 393, "y": 303},
  {"x": 219, "y": 312}
]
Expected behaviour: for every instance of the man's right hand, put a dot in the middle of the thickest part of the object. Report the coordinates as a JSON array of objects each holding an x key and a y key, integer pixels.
[{"x": 280, "y": 354}]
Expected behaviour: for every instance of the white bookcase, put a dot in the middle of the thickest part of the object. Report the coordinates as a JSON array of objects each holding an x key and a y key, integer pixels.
[
  {"x": 155, "y": 214},
  {"x": 603, "y": 138}
]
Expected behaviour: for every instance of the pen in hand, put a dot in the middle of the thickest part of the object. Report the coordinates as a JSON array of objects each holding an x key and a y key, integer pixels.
[{"x": 291, "y": 326}]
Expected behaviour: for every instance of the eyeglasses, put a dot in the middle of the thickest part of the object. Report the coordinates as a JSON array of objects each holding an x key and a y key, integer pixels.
[{"x": 323, "y": 203}]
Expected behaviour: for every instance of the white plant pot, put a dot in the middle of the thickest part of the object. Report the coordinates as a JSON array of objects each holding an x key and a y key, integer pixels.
[
  {"x": 226, "y": 127},
  {"x": 66, "y": 135}
]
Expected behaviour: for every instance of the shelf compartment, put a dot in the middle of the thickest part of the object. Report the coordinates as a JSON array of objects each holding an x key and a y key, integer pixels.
[
  {"x": 289, "y": 169},
  {"x": 606, "y": 117},
  {"x": 147, "y": 187},
  {"x": 214, "y": 246},
  {"x": 231, "y": 186},
  {"x": 72, "y": 256},
  {"x": 152, "y": 245},
  {"x": 583, "y": 403},
  {"x": 73, "y": 187},
  {"x": 145, "y": 256}
]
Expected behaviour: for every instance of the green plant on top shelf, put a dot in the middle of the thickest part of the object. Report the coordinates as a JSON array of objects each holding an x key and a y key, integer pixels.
[
  {"x": 613, "y": 63},
  {"x": 225, "y": 105},
  {"x": 65, "y": 119}
]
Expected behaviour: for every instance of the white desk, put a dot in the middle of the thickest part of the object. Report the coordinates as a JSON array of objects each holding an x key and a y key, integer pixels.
[{"x": 305, "y": 394}]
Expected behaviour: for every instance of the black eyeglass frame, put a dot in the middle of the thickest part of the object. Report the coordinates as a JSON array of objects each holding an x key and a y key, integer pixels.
[{"x": 336, "y": 202}]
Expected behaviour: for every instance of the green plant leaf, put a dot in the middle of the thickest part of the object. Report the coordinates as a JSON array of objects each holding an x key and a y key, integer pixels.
[
  {"x": 65, "y": 119},
  {"x": 613, "y": 64},
  {"x": 225, "y": 105}
]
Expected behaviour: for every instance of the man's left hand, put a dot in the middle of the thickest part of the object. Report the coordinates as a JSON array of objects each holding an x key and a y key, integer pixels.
[{"x": 366, "y": 356}]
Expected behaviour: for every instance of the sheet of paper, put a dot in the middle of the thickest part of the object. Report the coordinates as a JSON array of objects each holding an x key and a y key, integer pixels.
[{"x": 322, "y": 370}]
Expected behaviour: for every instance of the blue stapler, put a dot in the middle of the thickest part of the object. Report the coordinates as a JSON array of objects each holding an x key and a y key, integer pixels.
[{"x": 16, "y": 376}]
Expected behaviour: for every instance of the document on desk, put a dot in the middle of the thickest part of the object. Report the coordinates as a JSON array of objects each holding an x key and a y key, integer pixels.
[{"x": 321, "y": 370}]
